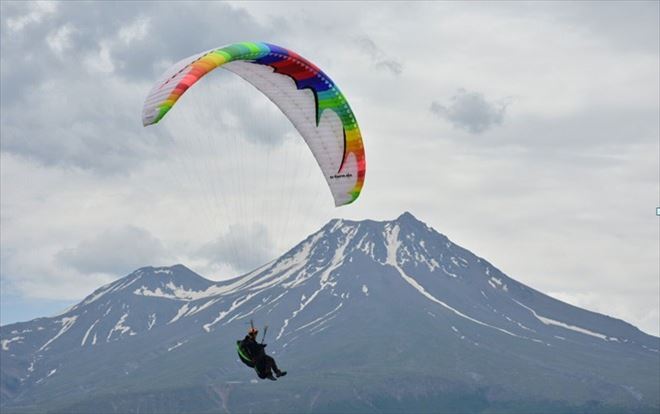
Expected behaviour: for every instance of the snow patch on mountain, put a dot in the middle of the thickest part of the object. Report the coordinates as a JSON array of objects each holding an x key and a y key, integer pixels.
[
  {"x": 321, "y": 318},
  {"x": 197, "y": 309},
  {"x": 87, "y": 333},
  {"x": 175, "y": 346},
  {"x": 151, "y": 322},
  {"x": 95, "y": 296},
  {"x": 182, "y": 311},
  {"x": 172, "y": 292},
  {"x": 120, "y": 327},
  {"x": 5, "y": 342},
  {"x": 67, "y": 323},
  {"x": 496, "y": 283},
  {"x": 235, "y": 305},
  {"x": 448, "y": 273},
  {"x": 15, "y": 331},
  {"x": 126, "y": 283},
  {"x": 552, "y": 322},
  {"x": 651, "y": 349}
]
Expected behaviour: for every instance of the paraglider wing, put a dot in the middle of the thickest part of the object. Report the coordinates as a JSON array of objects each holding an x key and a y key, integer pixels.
[{"x": 304, "y": 93}]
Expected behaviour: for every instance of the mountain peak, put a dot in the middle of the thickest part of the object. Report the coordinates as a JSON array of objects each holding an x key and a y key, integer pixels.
[
  {"x": 404, "y": 218},
  {"x": 177, "y": 269},
  {"x": 173, "y": 282},
  {"x": 177, "y": 274}
]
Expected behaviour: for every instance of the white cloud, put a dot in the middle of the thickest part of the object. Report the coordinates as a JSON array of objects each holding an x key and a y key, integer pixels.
[
  {"x": 60, "y": 40},
  {"x": 137, "y": 30},
  {"x": 242, "y": 247},
  {"x": 101, "y": 60},
  {"x": 114, "y": 251},
  {"x": 34, "y": 275},
  {"x": 37, "y": 10}
]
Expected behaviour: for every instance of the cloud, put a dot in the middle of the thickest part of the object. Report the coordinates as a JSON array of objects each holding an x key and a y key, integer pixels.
[
  {"x": 116, "y": 251},
  {"x": 135, "y": 31},
  {"x": 34, "y": 12},
  {"x": 243, "y": 247},
  {"x": 74, "y": 77},
  {"x": 59, "y": 40},
  {"x": 471, "y": 111},
  {"x": 228, "y": 108},
  {"x": 136, "y": 37},
  {"x": 28, "y": 270},
  {"x": 379, "y": 58},
  {"x": 634, "y": 27},
  {"x": 93, "y": 126}
]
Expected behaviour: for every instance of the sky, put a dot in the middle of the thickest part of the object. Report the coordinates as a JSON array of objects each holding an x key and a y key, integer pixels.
[{"x": 527, "y": 133}]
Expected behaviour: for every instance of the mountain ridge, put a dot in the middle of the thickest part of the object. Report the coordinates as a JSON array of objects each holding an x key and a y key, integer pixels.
[{"x": 377, "y": 283}]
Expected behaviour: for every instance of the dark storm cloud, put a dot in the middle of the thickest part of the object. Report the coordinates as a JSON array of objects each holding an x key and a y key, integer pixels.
[
  {"x": 115, "y": 251},
  {"x": 74, "y": 74},
  {"x": 471, "y": 111},
  {"x": 379, "y": 57}
]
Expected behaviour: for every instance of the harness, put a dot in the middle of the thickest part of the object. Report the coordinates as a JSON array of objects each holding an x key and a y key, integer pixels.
[{"x": 244, "y": 355}]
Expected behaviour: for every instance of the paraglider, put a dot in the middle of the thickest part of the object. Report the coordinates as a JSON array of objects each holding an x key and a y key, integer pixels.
[
  {"x": 302, "y": 91},
  {"x": 308, "y": 98},
  {"x": 253, "y": 354}
]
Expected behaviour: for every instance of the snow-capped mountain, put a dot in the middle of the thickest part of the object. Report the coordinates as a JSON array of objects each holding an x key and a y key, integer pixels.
[{"x": 367, "y": 316}]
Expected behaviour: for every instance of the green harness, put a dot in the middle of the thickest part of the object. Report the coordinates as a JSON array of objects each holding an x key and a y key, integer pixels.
[{"x": 243, "y": 355}]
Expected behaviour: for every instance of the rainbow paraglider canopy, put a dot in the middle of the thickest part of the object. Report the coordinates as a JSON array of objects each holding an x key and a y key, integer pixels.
[{"x": 302, "y": 91}]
